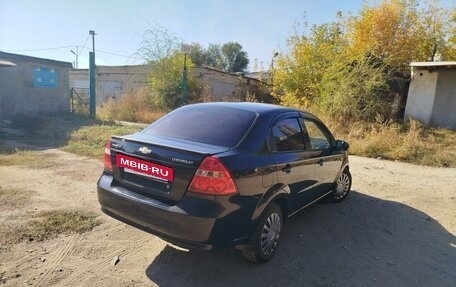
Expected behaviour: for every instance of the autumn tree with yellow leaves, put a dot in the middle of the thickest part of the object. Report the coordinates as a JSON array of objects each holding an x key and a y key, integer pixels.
[
  {"x": 344, "y": 68},
  {"x": 399, "y": 31}
]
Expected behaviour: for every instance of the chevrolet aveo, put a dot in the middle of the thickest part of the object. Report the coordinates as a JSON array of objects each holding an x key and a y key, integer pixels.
[{"x": 216, "y": 175}]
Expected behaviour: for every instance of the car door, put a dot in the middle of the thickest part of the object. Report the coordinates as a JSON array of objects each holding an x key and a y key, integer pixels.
[
  {"x": 295, "y": 165},
  {"x": 329, "y": 160}
]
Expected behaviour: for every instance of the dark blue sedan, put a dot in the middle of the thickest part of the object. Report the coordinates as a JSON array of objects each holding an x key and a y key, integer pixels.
[{"x": 216, "y": 175}]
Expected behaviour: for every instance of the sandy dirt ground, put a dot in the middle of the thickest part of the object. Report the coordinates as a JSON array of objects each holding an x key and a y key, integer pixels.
[{"x": 396, "y": 228}]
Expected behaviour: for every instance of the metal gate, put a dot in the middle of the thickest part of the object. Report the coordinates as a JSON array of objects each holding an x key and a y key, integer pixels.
[{"x": 79, "y": 101}]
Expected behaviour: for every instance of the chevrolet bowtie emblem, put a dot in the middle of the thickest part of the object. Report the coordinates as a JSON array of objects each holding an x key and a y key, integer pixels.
[{"x": 145, "y": 150}]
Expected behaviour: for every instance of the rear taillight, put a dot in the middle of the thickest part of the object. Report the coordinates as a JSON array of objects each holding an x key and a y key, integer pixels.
[
  {"x": 213, "y": 178},
  {"x": 107, "y": 156}
]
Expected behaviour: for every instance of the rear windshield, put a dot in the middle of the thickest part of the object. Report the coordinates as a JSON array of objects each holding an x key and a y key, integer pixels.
[{"x": 214, "y": 125}]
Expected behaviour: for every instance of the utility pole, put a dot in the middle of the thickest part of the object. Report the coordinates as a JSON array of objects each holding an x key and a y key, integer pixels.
[
  {"x": 92, "y": 79},
  {"x": 77, "y": 55},
  {"x": 271, "y": 70},
  {"x": 272, "y": 60},
  {"x": 186, "y": 49},
  {"x": 184, "y": 81}
]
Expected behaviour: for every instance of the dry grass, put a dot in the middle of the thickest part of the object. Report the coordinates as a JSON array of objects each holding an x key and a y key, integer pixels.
[
  {"x": 51, "y": 223},
  {"x": 13, "y": 198},
  {"x": 11, "y": 233},
  {"x": 28, "y": 158},
  {"x": 11, "y": 226},
  {"x": 46, "y": 225},
  {"x": 131, "y": 107},
  {"x": 20, "y": 224},
  {"x": 411, "y": 142}
]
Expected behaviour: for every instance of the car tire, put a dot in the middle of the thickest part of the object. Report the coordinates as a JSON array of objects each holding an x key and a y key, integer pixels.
[
  {"x": 342, "y": 187},
  {"x": 265, "y": 239}
]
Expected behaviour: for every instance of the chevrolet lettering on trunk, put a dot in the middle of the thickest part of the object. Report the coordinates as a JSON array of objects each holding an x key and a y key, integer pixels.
[{"x": 144, "y": 167}]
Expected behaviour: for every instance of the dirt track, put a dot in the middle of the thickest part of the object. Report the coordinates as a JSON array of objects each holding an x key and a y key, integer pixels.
[{"x": 397, "y": 228}]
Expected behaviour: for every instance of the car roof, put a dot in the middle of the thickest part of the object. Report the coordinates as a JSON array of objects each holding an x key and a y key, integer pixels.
[
  {"x": 246, "y": 106},
  {"x": 259, "y": 108}
]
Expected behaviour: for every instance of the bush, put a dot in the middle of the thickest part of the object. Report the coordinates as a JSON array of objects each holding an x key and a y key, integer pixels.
[
  {"x": 131, "y": 107},
  {"x": 165, "y": 82},
  {"x": 355, "y": 89},
  {"x": 410, "y": 142}
]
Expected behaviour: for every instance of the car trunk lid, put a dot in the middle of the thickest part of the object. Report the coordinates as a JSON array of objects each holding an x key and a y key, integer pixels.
[{"x": 157, "y": 167}]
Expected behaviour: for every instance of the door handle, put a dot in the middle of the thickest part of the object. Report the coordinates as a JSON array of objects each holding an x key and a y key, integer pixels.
[
  {"x": 321, "y": 162},
  {"x": 287, "y": 168}
]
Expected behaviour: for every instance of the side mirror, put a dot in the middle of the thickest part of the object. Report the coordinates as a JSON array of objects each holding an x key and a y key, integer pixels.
[{"x": 342, "y": 145}]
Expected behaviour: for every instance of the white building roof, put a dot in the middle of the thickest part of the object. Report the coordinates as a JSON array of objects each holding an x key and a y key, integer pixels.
[
  {"x": 447, "y": 64},
  {"x": 4, "y": 63}
]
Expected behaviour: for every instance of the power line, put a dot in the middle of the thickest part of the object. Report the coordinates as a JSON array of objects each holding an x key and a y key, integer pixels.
[
  {"x": 83, "y": 46},
  {"x": 41, "y": 49},
  {"x": 114, "y": 54},
  {"x": 71, "y": 46},
  {"x": 47, "y": 49},
  {"x": 107, "y": 52}
]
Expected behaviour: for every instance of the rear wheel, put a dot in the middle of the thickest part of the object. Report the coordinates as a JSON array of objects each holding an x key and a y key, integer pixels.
[
  {"x": 266, "y": 237},
  {"x": 342, "y": 187}
]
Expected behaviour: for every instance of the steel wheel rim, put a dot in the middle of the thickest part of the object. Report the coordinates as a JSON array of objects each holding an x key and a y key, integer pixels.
[
  {"x": 343, "y": 184},
  {"x": 270, "y": 234}
]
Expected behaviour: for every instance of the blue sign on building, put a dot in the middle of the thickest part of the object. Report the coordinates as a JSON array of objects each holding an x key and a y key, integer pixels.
[{"x": 45, "y": 77}]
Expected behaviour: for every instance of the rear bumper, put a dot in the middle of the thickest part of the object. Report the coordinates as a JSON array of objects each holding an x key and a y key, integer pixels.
[{"x": 195, "y": 222}]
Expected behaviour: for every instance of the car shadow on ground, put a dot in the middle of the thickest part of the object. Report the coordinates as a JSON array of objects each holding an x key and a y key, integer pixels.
[
  {"x": 40, "y": 133},
  {"x": 363, "y": 241}
]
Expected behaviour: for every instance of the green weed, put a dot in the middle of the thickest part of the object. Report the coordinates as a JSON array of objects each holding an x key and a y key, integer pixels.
[{"x": 90, "y": 140}]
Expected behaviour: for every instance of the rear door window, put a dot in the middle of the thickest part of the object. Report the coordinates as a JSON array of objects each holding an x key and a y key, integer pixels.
[
  {"x": 213, "y": 125},
  {"x": 286, "y": 135},
  {"x": 317, "y": 138}
]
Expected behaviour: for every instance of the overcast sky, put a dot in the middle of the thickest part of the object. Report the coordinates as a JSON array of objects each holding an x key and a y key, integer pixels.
[{"x": 57, "y": 26}]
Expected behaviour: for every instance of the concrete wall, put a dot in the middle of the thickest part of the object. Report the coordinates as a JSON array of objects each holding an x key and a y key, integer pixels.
[
  {"x": 112, "y": 81},
  {"x": 115, "y": 81},
  {"x": 432, "y": 94},
  {"x": 420, "y": 100},
  {"x": 444, "y": 110},
  {"x": 220, "y": 86},
  {"x": 34, "y": 86}
]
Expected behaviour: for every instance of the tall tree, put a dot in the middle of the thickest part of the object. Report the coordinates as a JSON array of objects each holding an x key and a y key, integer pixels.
[
  {"x": 451, "y": 54},
  {"x": 214, "y": 57},
  {"x": 228, "y": 57},
  {"x": 158, "y": 43},
  {"x": 436, "y": 26},
  {"x": 198, "y": 54},
  {"x": 399, "y": 32},
  {"x": 234, "y": 58}
]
